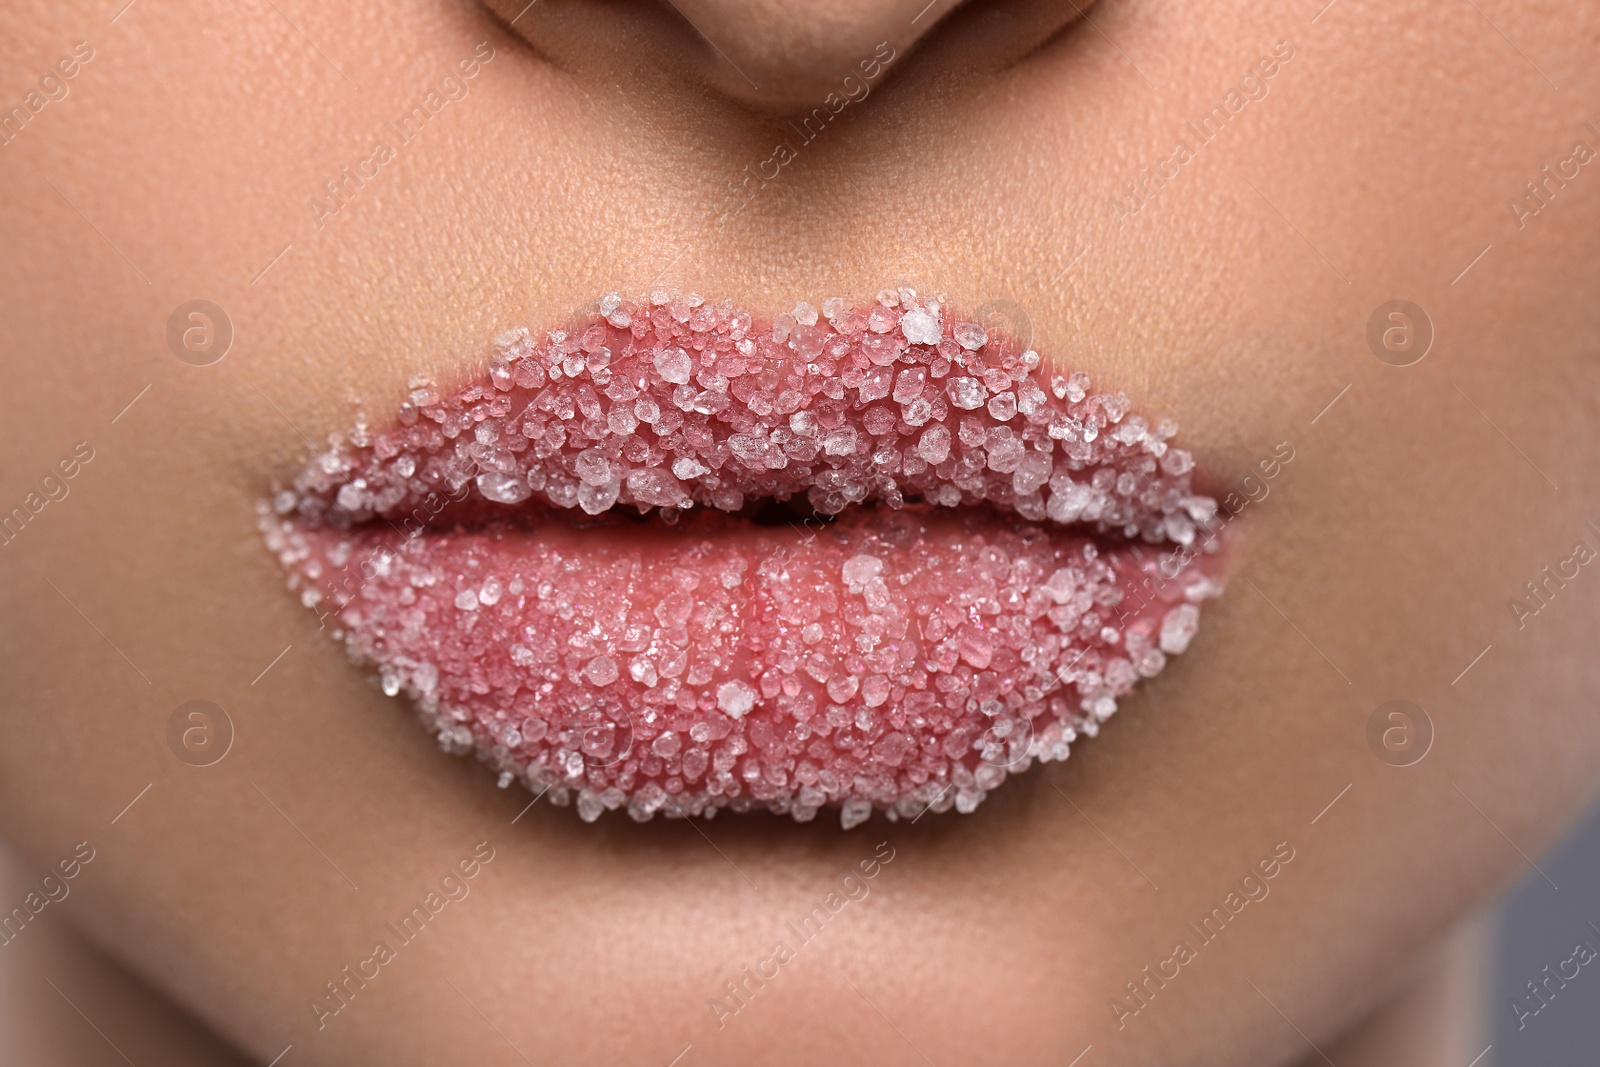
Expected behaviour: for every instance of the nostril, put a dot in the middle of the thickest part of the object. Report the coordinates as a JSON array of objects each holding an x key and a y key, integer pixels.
[{"x": 782, "y": 54}]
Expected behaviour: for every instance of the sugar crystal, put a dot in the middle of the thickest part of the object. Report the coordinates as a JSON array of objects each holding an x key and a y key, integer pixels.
[{"x": 547, "y": 562}]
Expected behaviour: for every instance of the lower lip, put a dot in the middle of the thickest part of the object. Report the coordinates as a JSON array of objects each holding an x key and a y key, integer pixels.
[{"x": 895, "y": 659}]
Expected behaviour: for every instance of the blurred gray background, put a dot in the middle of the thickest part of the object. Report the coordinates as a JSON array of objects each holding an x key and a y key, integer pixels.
[{"x": 1538, "y": 927}]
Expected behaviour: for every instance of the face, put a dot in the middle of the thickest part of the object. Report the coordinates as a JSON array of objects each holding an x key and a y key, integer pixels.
[{"x": 1348, "y": 251}]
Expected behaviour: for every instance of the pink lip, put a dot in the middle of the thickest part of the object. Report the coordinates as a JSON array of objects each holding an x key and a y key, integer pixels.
[{"x": 676, "y": 561}]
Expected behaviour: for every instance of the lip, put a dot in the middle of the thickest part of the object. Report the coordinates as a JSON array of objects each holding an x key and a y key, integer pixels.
[{"x": 675, "y": 560}]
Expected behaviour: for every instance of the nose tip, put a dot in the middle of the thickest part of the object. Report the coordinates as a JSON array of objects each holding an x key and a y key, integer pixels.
[
  {"x": 795, "y": 53},
  {"x": 777, "y": 55}
]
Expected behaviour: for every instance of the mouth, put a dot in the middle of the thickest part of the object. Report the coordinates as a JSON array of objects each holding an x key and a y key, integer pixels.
[{"x": 674, "y": 560}]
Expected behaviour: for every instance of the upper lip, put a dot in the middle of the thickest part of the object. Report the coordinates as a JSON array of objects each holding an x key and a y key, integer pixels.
[
  {"x": 750, "y": 418},
  {"x": 676, "y": 406}
]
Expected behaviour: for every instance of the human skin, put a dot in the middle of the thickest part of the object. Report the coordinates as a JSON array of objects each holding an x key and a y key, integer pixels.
[{"x": 1416, "y": 507}]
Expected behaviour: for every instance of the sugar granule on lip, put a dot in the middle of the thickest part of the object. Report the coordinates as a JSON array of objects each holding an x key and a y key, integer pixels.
[{"x": 884, "y": 653}]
